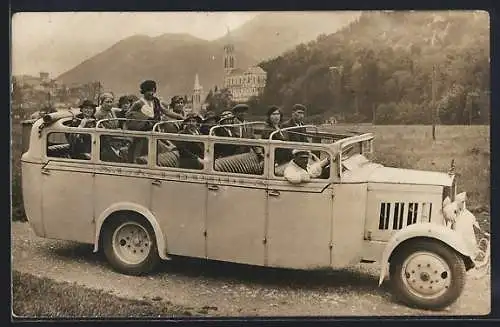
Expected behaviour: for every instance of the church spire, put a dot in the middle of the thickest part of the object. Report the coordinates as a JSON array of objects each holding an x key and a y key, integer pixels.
[
  {"x": 229, "y": 58},
  {"x": 197, "y": 85}
]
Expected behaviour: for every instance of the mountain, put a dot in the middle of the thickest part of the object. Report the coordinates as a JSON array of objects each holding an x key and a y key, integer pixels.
[
  {"x": 385, "y": 60},
  {"x": 270, "y": 34},
  {"x": 174, "y": 59}
]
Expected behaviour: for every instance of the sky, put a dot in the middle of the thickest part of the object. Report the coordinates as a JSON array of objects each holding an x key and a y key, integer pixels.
[{"x": 31, "y": 31}]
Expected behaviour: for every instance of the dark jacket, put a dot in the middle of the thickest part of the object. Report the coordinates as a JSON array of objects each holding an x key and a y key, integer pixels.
[
  {"x": 295, "y": 137},
  {"x": 281, "y": 155}
]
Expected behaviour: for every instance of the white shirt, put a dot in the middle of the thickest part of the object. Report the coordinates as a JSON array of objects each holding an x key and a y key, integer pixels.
[
  {"x": 296, "y": 174},
  {"x": 148, "y": 108}
]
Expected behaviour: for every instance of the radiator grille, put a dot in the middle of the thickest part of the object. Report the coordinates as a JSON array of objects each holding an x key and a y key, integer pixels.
[{"x": 397, "y": 215}]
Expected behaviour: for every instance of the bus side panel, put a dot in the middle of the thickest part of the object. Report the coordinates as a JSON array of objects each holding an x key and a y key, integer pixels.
[
  {"x": 110, "y": 189},
  {"x": 32, "y": 196},
  {"x": 348, "y": 223}
]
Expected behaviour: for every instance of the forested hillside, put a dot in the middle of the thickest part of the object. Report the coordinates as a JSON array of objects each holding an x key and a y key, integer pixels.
[{"x": 380, "y": 68}]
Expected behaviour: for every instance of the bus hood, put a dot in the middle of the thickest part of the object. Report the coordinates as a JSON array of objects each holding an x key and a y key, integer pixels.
[
  {"x": 376, "y": 173},
  {"x": 409, "y": 176}
]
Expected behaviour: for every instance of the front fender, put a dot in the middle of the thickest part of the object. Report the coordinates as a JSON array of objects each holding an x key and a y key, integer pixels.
[
  {"x": 129, "y": 206},
  {"x": 427, "y": 230}
]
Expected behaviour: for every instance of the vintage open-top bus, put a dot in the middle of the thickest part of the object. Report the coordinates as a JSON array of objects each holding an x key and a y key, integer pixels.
[{"x": 234, "y": 204}]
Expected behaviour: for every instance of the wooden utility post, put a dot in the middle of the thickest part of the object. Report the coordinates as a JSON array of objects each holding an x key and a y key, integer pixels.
[{"x": 434, "y": 107}]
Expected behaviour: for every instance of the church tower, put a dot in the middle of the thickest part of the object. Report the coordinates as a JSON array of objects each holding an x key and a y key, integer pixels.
[
  {"x": 197, "y": 95},
  {"x": 228, "y": 55}
]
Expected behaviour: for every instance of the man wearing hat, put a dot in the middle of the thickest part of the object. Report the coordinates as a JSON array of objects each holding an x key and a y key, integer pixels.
[
  {"x": 300, "y": 170},
  {"x": 209, "y": 121},
  {"x": 243, "y": 131},
  {"x": 191, "y": 153},
  {"x": 225, "y": 118},
  {"x": 191, "y": 124},
  {"x": 297, "y": 120}
]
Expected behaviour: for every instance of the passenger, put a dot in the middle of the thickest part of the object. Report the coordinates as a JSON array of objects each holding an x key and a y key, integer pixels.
[
  {"x": 148, "y": 110},
  {"x": 80, "y": 144},
  {"x": 177, "y": 105},
  {"x": 273, "y": 123},
  {"x": 86, "y": 117},
  {"x": 107, "y": 111},
  {"x": 297, "y": 120},
  {"x": 191, "y": 152},
  {"x": 209, "y": 121},
  {"x": 300, "y": 170},
  {"x": 225, "y": 118},
  {"x": 124, "y": 104},
  {"x": 240, "y": 112},
  {"x": 191, "y": 124}
]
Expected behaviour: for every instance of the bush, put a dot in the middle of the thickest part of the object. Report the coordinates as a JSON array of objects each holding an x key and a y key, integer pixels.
[{"x": 17, "y": 204}]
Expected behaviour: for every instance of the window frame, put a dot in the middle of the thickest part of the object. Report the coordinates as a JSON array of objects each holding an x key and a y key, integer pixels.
[
  {"x": 179, "y": 137},
  {"x": 123, "y": 133},
  {"x": 307, "y": 147},
  {"x": 67, "y": 130},
  {"x": 242, "y": 142}
]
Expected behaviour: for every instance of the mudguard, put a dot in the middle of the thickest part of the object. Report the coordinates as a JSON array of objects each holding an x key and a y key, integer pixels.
[
  {"x": 129, "y": 206},
  {"x": 428, "y": 230}
]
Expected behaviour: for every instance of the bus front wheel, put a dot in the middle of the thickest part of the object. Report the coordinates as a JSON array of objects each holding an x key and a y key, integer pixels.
[
  {"x": 427, "y": 274},
  {"x": 130, "y": 246}
]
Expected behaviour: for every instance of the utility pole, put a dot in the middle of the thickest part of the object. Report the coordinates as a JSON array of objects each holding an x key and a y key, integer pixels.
[{"x": 434, "y": 107}]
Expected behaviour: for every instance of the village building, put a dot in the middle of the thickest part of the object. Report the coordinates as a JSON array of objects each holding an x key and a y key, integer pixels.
[{"x": 243, "y": 83}]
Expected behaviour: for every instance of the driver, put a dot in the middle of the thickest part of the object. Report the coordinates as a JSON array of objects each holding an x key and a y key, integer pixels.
[{"x": 300, "y": 169}]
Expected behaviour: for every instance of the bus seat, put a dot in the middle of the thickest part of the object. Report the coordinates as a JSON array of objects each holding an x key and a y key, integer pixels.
[
  {"x": 58, "y": 150},
  {"x": 243, "y": 163}
]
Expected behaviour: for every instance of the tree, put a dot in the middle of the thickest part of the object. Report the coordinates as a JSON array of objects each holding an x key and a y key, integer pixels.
[{"x": 220, "y": 101}]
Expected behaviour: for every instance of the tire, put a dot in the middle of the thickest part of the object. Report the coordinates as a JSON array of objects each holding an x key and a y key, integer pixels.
[
  {"x": 130, "y": 246},
  {"x": 427, "y": 274}
]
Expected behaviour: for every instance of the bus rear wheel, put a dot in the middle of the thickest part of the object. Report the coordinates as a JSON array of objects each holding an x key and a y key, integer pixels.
[
  {"x": 427, "y": 274},
  {"x": 130, "y": 246}
]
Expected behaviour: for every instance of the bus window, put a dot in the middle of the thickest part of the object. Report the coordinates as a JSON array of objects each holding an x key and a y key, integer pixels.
[
  {"x": 240, "y": 159},
  {"x": 180, "y": 154},
  {"x": 124, "y": 149},
  {"x": 321, "y": 157},
  {"x": 69, "y": 145}
]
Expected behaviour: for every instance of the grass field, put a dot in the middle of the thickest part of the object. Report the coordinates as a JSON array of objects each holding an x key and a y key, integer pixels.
[
  {"x": 412, "y": 147},
  {"x": 30, "y": 294},
  {"x": 404, "y": 146}
]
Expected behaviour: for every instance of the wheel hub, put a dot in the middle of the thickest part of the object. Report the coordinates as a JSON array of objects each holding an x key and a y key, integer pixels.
[
  {"x": 426, "y": 274},
  {"x": 131, "y": 243}
]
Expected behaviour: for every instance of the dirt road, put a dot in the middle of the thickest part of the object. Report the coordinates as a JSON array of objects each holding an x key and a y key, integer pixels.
[{"x": 229, "y": 289}]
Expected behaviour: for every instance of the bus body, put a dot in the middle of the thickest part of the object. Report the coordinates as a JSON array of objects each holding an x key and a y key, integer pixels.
[{"x": 240, "y": 208}]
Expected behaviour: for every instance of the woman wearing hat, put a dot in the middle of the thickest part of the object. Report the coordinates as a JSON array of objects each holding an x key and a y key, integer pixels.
[
  {"x": 107, "y": 111},
  {"x": 148, "y": 107},
  {"x": 273, "y": 123}
]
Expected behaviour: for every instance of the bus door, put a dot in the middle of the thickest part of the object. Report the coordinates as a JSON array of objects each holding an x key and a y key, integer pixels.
[
  {"x": 178, "y": 198},
  {"x": 67, "y": 186},
  {"x": 299, "y": 215},
  {"x": 236, "y": 203}
]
